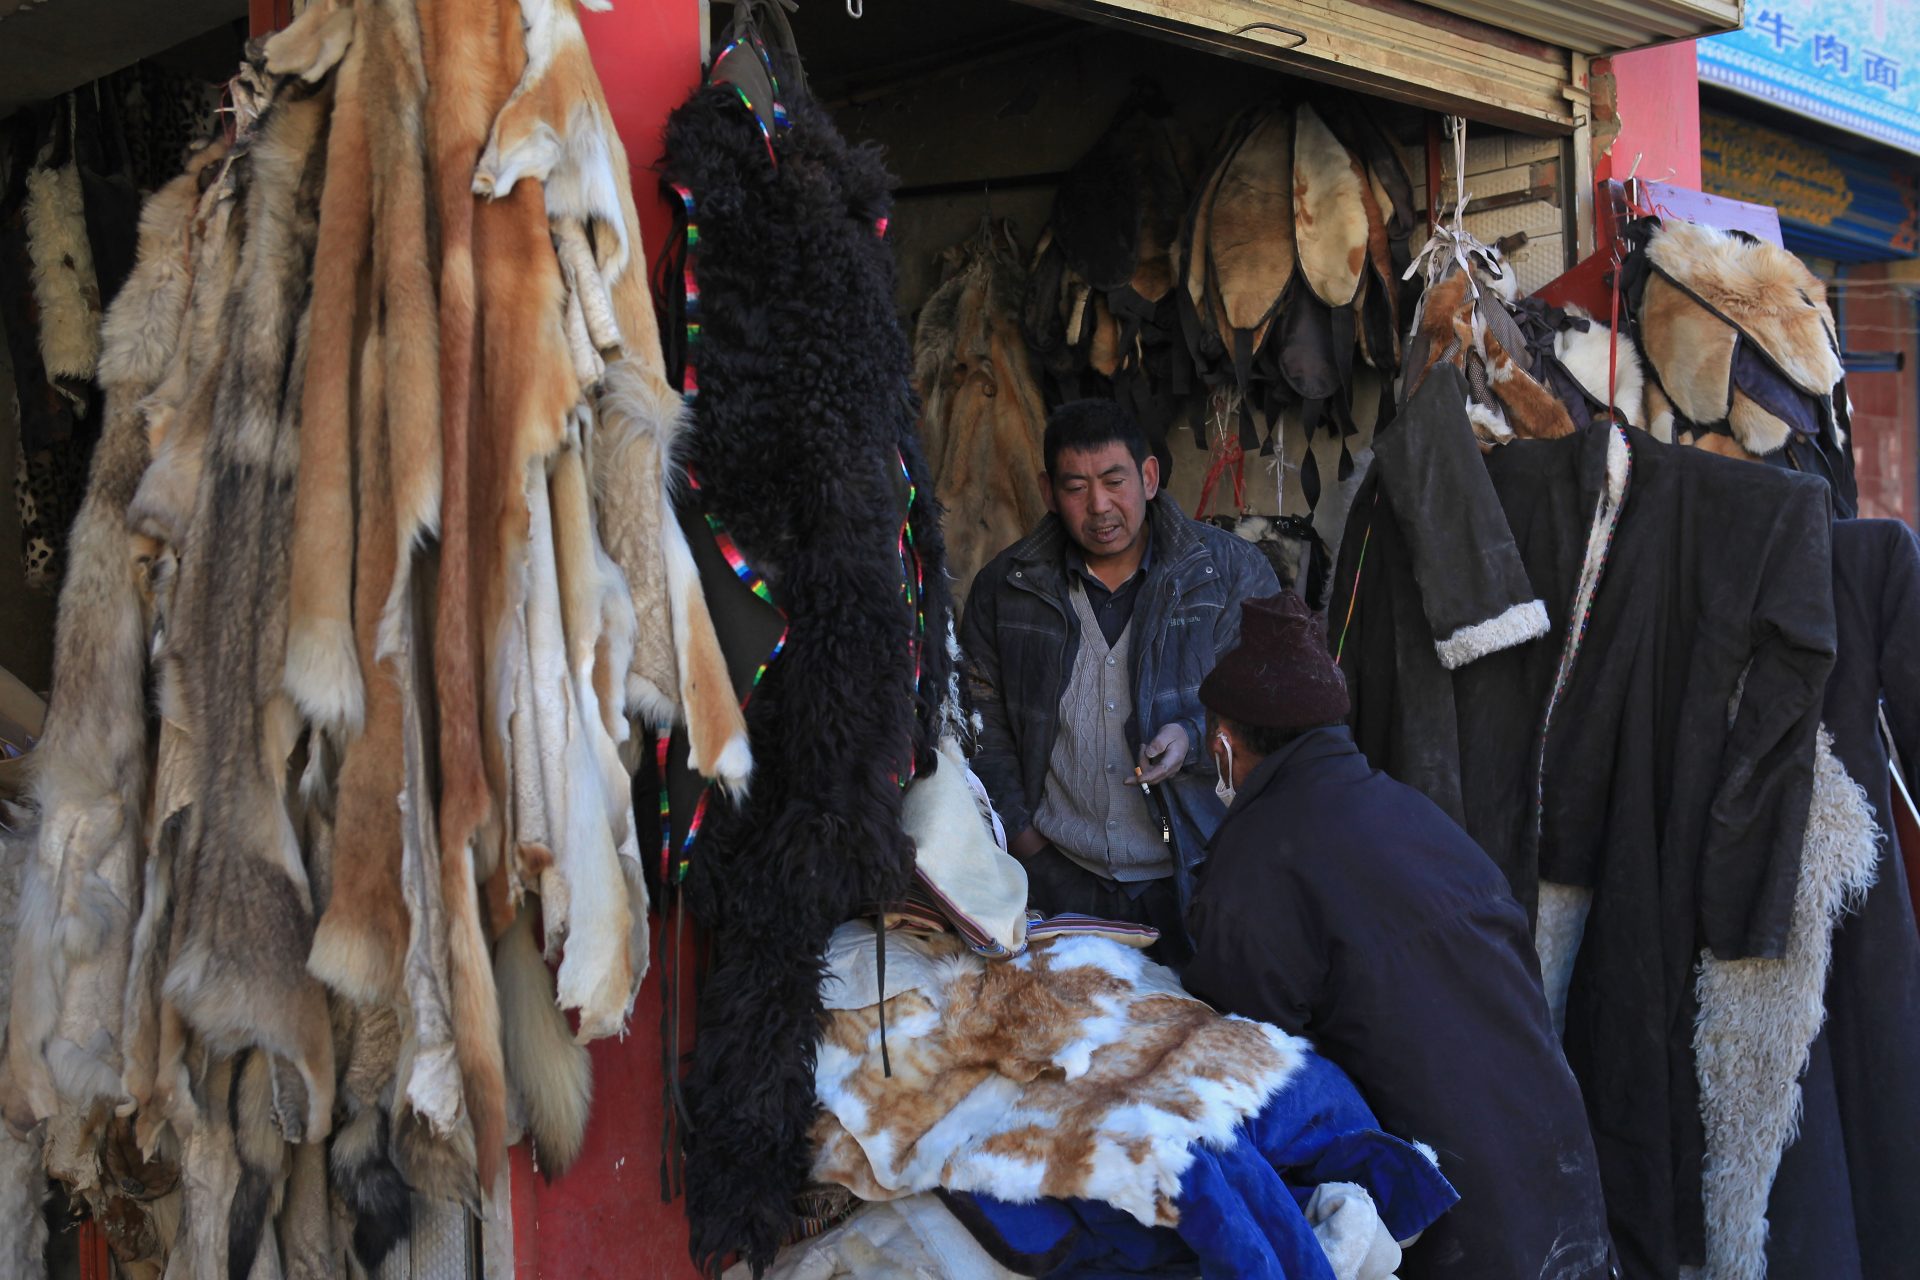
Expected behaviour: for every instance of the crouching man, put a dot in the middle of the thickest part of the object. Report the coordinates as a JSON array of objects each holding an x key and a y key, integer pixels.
[{"x": 1345, "y": 907}]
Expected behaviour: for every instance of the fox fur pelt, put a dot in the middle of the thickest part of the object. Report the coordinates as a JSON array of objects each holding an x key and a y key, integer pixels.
[
  {"x": 243, "y": 920},
  {"x": 983, "y": 418},
  {"x": 802, "y": 421},
  {"x": 23, "y": 1181}
]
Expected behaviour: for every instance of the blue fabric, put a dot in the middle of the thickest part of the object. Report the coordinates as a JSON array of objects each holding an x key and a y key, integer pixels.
[{"x": 1241, "y": 1207}]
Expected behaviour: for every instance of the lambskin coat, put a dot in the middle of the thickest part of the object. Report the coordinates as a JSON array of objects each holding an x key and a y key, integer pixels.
[
  {"x": 1840, "y": 1208},
  {"x": 1344, "y": 907}
]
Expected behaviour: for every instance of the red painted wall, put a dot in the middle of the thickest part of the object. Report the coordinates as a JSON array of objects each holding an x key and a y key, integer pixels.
[
  {"x": 605, "y": 1219},
  {"x": 1658, "y": 96}
]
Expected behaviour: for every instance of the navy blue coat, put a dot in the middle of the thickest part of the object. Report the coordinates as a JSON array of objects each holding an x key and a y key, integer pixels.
[{"x": 1345, "y": 907}]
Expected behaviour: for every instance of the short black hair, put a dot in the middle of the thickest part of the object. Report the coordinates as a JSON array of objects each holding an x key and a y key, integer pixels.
[{"x": 1087, "y": 425}]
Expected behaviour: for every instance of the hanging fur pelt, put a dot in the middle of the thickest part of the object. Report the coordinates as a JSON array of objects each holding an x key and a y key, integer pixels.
[
  {"x": 803, "y": 418},
  {"x": 243, "y": 922},
  {"x": 91, "y": 765},
  {"x": 23, "y": 1181}
]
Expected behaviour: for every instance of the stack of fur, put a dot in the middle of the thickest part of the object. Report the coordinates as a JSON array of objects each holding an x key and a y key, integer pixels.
[{"x": 374, "y": 578}]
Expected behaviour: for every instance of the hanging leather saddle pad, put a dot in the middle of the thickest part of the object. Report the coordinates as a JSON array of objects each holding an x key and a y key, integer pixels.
[
  {"x": 1329, "y": 211},
  {"x": 1250, "y": 254}
]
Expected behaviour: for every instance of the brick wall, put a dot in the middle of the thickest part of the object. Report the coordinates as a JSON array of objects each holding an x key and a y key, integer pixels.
[
  {"x": 1514, "y": 182},
  {"x": 1878, "y": 313}
]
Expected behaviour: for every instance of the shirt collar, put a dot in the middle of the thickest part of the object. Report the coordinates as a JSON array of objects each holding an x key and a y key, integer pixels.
[{"x": 1077, "y": 565}]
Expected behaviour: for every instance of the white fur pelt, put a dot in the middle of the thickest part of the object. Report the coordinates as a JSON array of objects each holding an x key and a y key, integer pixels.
[
  {"x": 1758, "y": 1019},
  {"x": 64, "y": 287},
  {"x": 552, "y": 1075},
  {"x": 1557, "y": 934},
  {"x": 23, "y": 1183},
  {"x": 1587, "y": 354},
  {"x": 1068, "y": 1021}
]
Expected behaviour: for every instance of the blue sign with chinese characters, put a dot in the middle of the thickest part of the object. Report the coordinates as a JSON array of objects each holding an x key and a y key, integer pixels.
[{"x": 1853, "y": 64}]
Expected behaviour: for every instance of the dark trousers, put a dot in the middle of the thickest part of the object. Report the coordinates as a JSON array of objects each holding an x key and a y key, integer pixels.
[{"x": 1056, "y": 883}]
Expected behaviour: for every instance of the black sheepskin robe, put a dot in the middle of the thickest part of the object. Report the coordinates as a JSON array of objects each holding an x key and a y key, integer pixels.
[{"x": 802, "y": 420}]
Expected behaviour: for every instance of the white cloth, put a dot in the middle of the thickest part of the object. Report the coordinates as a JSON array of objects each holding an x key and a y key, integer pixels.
[{"x": 911, "y": 1239}]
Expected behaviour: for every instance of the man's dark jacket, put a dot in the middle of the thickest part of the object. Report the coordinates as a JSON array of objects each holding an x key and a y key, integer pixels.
[
  {"x": 1020, "y": 636},
  {"x": 1345, "y": 907}
]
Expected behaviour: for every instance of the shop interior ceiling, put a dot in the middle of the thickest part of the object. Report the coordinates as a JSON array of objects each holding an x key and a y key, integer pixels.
[{"x": 50, "y": 46}]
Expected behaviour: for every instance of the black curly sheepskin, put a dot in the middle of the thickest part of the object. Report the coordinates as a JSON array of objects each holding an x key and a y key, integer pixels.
[{"x": 803, "y": 415}]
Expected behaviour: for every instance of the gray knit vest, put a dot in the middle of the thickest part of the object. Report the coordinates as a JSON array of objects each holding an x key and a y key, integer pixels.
[{"x": 1091, "y": 808}]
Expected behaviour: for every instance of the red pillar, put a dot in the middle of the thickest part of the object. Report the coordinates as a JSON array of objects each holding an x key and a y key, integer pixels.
[
  {"x": 1657, "y": 96},
  {"x": 605, "y": 1219}
]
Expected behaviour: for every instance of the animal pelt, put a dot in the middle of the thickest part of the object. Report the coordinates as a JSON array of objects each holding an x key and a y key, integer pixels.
[
  {"x": 23, "y": 1181},
  {"x": 1329, "y": 211},
  {"x": 1761, "y": 289},
  {"x": 243, "y": 918},
  {"x": 982, "y": 417},
  {"x": 474, "y": 57},
  {"x": 1076, "y": 1069},
  {"x": 366, "y": 1181},
  {"x": 551, "y": 1074},
  {"x": 802, "y": 424},
  {"x": 1588, "y": 353},
  {"x": 1458, "y": 326},
  {"x": 65, "y": 292},
  {"x": 1758, "y": 1019},
  {"x": 91, "y": 763},
  {"x": 557, "y": 130}
]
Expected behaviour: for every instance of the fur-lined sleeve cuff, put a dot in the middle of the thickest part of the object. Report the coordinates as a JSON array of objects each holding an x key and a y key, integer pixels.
[{"x": 1519, "y": 624}]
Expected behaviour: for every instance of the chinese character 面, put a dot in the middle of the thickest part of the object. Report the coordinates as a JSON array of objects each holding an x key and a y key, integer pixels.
[
  {"x": 1881, "y": 70},
  {"x": 1831, "y": 51},
  {"x": 1772, "y": 23}
]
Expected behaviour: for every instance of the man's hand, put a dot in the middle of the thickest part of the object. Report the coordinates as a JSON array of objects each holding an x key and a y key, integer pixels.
[
  {"x": 1162, "y": 758},
  {"x": 1026, "y": 844}
]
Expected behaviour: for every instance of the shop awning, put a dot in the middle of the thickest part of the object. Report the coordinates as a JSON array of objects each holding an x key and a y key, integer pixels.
[
  {"x": 1597, "y": 27},
  {"x": 1390, "y": 48}
]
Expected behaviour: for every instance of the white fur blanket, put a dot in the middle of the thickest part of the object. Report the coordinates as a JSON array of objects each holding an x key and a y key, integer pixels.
[{"x": 1077, "y": 1069}]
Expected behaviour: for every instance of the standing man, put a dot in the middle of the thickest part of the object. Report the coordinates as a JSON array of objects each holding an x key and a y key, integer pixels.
[
  {"x": 1345, "y": 907},
  {"x": 1086, "y": 644}
]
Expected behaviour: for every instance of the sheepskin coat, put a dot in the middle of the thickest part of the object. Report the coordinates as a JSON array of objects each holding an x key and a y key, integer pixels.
[
  {"x": 1342, "y": 906},
  {"x": 804, "y": 443},
  {"x": 1672, "y": 579},
  {"x": 1839, "y": 1207}
]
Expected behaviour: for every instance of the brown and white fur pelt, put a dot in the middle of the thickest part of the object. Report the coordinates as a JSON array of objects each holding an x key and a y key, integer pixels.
[
  {"x": 323, "y": 670},
  {"x": 1753, "y": 292},
  {"x": 1059, "y": 1028},
  {"x": 243, "y": 916},
  {"x": 91, "y": 765},
  {"x": 557, "y": 130},
  {"x": 65, "y": 290},
  {"x": 1589, "y": 353},
  {"x": 1453, "y": 322}
]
